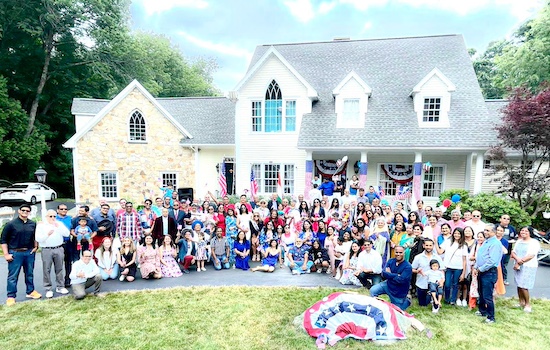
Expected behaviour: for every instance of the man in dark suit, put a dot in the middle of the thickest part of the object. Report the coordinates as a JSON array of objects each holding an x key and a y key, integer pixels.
[
  {"x": 164, "y": 225},
  {"x": 177, "y": 214}
]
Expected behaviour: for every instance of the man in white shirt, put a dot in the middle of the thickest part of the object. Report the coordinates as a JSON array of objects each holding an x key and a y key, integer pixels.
[
  {"x": 49, "y": 235},
  {"x": 420, "y": 264},
  {"x": 314, "y": 193},
  {"x": 85, "y": 274},
  {"x": 476, "y": 223},
  {"x": 369, "y": 266}
]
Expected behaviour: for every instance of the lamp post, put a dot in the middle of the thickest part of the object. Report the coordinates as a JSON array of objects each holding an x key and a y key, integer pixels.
[{"x": 41, "y": 177}]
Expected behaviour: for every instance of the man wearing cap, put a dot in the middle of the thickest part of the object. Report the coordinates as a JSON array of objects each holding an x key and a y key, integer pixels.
[
  {"x": 106, "y": 223},
  {"x": 49, "y": 235},
  {"x": 19, "y": 247}
]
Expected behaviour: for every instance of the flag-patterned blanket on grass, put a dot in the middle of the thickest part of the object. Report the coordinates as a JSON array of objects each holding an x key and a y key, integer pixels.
[{"x": 345, "y": 315}]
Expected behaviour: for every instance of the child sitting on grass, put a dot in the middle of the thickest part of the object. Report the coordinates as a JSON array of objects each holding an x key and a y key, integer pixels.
[{"x": 436, "y": 279}]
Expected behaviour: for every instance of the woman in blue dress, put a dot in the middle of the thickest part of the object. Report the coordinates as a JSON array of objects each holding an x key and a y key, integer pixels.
[
  {"x": 241, "y": 249},
  {"x": 272, "y": 255},
  {"x": 231, "y": 233}
]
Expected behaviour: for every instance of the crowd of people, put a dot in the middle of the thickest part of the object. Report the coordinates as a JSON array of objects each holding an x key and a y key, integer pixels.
[{"x": 358, "y": 239}]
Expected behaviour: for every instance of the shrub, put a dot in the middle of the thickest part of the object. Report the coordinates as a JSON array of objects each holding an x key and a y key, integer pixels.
[
  {"x": 448, "y": 194},
  {"x": 493, "y": 206}
]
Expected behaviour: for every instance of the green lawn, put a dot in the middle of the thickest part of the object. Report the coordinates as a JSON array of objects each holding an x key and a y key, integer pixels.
[{"x": 239, "y": 318}]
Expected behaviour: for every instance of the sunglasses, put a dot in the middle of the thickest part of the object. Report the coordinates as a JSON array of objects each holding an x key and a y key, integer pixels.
[
  {"x": 51, "y": 216},
  {"x": 25, "y": 210},
  {"x": 476, "y": 216},
  {"x": 62, "y": 208}
]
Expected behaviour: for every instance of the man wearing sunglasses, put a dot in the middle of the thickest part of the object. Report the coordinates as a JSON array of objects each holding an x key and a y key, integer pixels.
[{"x": 19, "y": 247}]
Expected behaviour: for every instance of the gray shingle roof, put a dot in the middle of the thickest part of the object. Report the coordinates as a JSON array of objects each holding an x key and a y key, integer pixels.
[
  {"x": 391, "y": 67},
  {"x": 210, "y": 120}
]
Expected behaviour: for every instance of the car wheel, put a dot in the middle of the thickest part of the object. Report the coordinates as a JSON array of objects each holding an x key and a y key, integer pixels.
[
  {"x": 53, "y": 196},
  {"x": 33, "y": 200}
]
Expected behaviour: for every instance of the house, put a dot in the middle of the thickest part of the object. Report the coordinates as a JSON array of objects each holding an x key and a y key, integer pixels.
[
  {"x": 389, "y": 105},
  {"x": 136, "y": 143}
]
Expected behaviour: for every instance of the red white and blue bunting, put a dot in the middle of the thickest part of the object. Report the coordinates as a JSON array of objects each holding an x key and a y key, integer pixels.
[{"x": 400, "y": 173}]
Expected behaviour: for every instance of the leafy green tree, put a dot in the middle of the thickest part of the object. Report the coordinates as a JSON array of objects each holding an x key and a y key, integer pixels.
[
  {"x": 487, "y": 71},
  {"x": 16, "y": 149},
  {"x": 527, "y": 60}
]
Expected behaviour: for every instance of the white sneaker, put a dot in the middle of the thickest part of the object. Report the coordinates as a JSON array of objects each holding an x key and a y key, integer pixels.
[
  {"x": 198, "y": 270},
  {"x": 203, "y": 269},
  {"x": 295, "y": 272},
  {"x": 122, "y": 278},
  {"x": 49, "y": 294},
  {"x": 319, "y": 271},
  {"x": 464, "y": 302},
  {"x": 62, "y": 290}
]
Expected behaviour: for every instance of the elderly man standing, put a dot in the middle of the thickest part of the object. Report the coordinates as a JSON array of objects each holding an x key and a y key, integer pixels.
[
  {"x": 85, "y": 274},
  {"x": 476, "y": 223},
  {"x": 19, "y": 247},
  {"x": 50, "y": 235},
  {"x": 398, "y": 274},
  {"x": 489, "y": 256}
]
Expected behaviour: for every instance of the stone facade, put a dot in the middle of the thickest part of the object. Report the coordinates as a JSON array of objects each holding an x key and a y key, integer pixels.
[{"x": 106, "y": 147}]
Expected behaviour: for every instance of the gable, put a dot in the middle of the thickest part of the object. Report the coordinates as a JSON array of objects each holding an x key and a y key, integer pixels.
[{"x": 134, "y": 92}]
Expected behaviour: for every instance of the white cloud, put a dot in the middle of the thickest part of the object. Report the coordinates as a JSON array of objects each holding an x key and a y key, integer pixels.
[
  {"x": 325, "y": 7},
  {"x": 302, "y": 10},
  {"x": 158, "y": 6},
  {"x": 522, "y": 9},
  {"x": 363, "y": 5},
  {"x": 366, "y": 27},
  {"x": 217, "y": 47}
]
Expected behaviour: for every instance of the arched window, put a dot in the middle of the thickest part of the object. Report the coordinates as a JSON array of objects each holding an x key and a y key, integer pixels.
[
  {"x": 273, "y": 108},
  {"x": 137, "y": 127}
]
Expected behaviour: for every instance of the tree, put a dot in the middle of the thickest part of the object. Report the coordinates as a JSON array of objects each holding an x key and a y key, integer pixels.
[
  {"x": 523, "y": 153},
  {"x": 16, "y": 149},
  {"x": 487, "y": 71},
  {"x": 527, "y": 60}
]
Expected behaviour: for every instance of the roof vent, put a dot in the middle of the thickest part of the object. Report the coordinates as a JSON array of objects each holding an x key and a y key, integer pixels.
[{"x": 342, "y": 39}]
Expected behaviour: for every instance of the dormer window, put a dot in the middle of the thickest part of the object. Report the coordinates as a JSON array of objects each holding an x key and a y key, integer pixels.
[
  {"x": 351, "y": 98},
  {"x": 432, "y": 100},
  {"x": 432, "y": 108}
]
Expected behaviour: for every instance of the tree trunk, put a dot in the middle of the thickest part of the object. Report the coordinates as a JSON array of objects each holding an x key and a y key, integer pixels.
[{"x": 43, "y": 77}]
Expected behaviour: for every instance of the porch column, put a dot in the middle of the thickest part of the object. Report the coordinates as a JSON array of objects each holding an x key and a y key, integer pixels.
[
  {"x": 468, "y": 175},
  {"x": 417, "y": 179},
  {"x": 363, "y": 166},
  {"x": 478, "y": 180},
  {"x": 309, "y": 174}
]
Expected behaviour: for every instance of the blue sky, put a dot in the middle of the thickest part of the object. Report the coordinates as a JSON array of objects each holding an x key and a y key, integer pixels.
[{"x": 229, "y": 30}]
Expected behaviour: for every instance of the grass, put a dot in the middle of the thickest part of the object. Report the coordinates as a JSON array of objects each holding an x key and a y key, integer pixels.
[{"x": 239, "y": 318}]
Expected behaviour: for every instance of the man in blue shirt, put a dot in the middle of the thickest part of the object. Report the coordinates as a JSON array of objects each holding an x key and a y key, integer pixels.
[
  {"x": 489, "y": 256},
  {"x": 372, "y": 194},
  {"x": 327, "y": 187},
  {"x": 398, "y": 274}
]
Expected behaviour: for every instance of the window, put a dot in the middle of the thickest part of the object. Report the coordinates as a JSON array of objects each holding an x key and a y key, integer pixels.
[
  {"x": 433, "y": 182},
  {"x": 169, "y": 179},
  {"x": 432, "y": 108},
  {"x": 487, "y": 164},
  {"x": 273, "y": 108},
  {"x": 351, "y": 112},
  {"x": 267, "y": 176},
  {"x": 137, "y": 127},
  {"x": 256, "y": 116},
  {"x": 290, "y": 116},
  {"x": 389, "y": 186},
  {"x": 108, "y": 185}
]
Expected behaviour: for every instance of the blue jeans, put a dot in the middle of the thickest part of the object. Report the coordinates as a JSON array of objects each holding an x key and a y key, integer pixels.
[
  {"x": 451, "y": 284},
  {"x": 382, "y": 288},
  {"x": 219, "y": 264},
  {"x": 20, "y": 260},
  {"x": 487, "y": 282},
  {"x": 364, "y": 277},
  {"x": 298, "y": 266},
  {"x": 105, "y": 276},
  {"x": 423, "y": 296}
]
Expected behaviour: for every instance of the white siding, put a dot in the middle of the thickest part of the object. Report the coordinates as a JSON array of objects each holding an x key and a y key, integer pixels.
[
  {"x": 434, "y": 87},
  {"x": 81, "y": 121},
  {"x": 207, "y": 176},
  {"x": 260, "y": 147},
  {"x": 352, "y": 89}
]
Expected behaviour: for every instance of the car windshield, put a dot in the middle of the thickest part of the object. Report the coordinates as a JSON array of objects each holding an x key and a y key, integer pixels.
[{"x": 18, "y": 186}]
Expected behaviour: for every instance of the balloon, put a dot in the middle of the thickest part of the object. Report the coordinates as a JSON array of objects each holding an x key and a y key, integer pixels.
[
  {"x": 455, "y": 198},
  {"x": 446, "y": 203}
]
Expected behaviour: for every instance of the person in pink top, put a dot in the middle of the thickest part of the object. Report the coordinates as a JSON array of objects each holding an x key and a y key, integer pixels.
[{"x": 455, "y": 220}]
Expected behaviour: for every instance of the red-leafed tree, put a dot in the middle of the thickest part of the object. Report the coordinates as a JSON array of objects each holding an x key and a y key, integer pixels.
[{"x": 523, "y": 153}]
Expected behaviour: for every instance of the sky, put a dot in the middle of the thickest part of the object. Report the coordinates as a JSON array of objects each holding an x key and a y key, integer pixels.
[{"x": 228, "y": 31}]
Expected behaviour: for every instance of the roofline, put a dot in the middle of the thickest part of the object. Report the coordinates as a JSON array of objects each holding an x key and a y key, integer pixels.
[
  {"x": 71, "y": 143},
  {"x": 497, "y": 100},
  {"x": 360, "y": 40},
  {"x": 311, "y": 92},
  {"x": 395, "y": 149},
  {"x": 366, "y": 88},
  {"x": 207, "y": 144},
  {"x": 418, "y": 87}
]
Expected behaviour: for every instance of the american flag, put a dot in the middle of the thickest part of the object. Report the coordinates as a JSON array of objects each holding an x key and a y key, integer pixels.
[
  {"x": 381, "y": 192},
  {"x": 253, "y": 184},
  {"x": 222, "y": 181},
  {"x": 280, "y": 189},
  {"x": 404, "y": 192}
]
